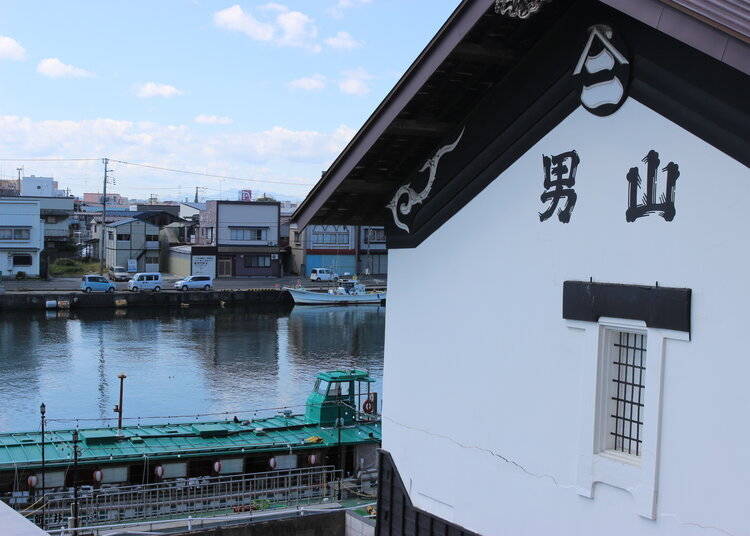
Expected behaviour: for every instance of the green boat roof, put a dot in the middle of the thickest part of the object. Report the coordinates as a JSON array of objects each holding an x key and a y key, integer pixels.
[
  {"x": 23, "y": 450},
  {"x": 345, "y": 375}
]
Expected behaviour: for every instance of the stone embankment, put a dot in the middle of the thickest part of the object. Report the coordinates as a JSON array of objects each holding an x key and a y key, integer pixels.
[{"x": 78, "y": 300}]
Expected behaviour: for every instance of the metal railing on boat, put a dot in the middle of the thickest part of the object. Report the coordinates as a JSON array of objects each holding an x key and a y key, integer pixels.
[
  {"x": 202, "y": 523},
  {"x": 180, "y": 497}
]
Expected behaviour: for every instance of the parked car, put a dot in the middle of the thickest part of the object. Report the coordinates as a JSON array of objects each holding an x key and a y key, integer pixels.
[
  {"x": 96, "y": 283},
  {"x": 323, "y": 274},
  {"x": 195, "y": 282},
  {"x": 146, "y": 281},
  {"x": 118, "y": 273}
]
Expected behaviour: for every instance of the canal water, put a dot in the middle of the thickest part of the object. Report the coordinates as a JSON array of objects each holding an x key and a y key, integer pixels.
[{"x": 177, "y": 361}]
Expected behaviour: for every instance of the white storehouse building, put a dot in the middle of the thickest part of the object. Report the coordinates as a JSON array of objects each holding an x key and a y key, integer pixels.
[
  {"x": 591, "y": 158},
  {"x": 21, "y": 236}
]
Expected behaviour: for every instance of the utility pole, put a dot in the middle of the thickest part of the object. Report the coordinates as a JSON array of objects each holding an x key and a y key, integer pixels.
[
  {"x": 196, "y": 194},
  {"x": 104, "y": 217},
  {"x": 19, "y": 169}
]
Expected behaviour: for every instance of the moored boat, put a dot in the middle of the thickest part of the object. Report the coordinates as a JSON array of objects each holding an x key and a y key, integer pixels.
[
  {"x": 336, "y": 437},
  {"x": 348, "y": 292}
]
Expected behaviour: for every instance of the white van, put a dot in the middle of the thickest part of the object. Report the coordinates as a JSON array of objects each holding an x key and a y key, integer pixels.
[
  {"x": 323, "y": 274},
  {"x": 145, "y": 281}
]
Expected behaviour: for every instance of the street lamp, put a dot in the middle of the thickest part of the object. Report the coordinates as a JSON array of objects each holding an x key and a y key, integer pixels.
[
  {"x": 43, "y": 412},
  {"x": 75, "y": 478},
  {"x": 118, "y": 407}
]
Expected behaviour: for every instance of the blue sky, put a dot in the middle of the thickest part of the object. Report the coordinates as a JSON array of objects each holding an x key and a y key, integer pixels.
[{"x": 262, "y": 90}]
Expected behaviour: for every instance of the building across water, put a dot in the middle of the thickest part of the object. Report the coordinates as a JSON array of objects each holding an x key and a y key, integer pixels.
[
  {"x": 593, "y": 157},
  {"x": 21, "y": 236}
]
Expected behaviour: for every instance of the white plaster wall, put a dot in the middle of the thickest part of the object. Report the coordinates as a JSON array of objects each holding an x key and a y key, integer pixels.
[{"x": 486, "y": 369}]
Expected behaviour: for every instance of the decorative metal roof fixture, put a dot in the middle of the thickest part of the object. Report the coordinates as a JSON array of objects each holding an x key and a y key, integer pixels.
[{"x": 521, "y": 9}]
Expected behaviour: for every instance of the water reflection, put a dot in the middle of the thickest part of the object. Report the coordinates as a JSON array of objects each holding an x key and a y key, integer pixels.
[{"x": 179, "y": 361}]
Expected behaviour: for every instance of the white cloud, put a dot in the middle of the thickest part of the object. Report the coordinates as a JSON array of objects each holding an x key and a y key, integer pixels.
[
  {"x": 343, "y": 41},
  {"x": 153, "y": 89},
  {"x": 10, "y": 49},
  {"x": 354, "y": 82},
  {"x": 213, "y": 119},
  {"x": 337, "y": 10},
  {"x": 309, "y": 83},
  {"x": 285, "y": 28},
  {"x": 278, "y": 153},
  {"x": 54, "y": 68},
  {"x": 235, "y": 19}
]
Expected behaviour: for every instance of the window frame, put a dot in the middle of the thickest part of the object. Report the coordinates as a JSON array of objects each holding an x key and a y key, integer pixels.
[
  {"x": 248, "y": 264},
  {"x": 30, "y": 257},
  {"x": 604, "y": 396},
  {"x": 261, "y": 233},
  {"x": 599, "y": 465},
  {"x": 14, "y": 231}
]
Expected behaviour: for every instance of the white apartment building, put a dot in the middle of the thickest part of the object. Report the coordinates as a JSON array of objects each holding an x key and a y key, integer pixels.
[{"x": 21, "y": 237}]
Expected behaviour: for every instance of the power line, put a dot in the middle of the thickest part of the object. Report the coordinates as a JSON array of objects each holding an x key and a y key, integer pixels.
[
  {"x": 159, "y": 168},
  {"x": 50, "y": 159},
  {"x": 208, "y": 174}
]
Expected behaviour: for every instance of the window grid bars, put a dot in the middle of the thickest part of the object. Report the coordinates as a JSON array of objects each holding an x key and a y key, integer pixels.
[{"x": 628, "y": 403}]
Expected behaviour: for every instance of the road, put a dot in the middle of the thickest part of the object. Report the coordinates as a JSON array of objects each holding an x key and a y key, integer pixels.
[{"x": 73, "y": 283}]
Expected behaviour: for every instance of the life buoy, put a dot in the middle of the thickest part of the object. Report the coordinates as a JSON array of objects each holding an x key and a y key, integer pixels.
[{"x": 368, "y": 406}]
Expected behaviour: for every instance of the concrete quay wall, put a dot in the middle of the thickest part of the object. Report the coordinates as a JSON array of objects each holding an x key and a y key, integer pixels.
[{"x": 10, "y": 301}]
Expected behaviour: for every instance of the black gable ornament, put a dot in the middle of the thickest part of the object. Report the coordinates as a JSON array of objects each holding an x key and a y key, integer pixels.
[{"x": 603, "y": 71}]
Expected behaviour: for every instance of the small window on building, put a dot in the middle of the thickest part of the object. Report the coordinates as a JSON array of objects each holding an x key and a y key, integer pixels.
[
  {"x": 152, "y": 238},
  {"x": 374, "y": 236},
  {"x": 624, "y": 364},
  {"x": 152, "y": 260},
  {"x": 21, "y": 234},
  {"x": 257, "y": 261},
  {"x": 22, "y": 260},
  {"x": 123, "y": 236},
  {"x": 247, "y": 233},
  {"x": 110, "y": 235}
]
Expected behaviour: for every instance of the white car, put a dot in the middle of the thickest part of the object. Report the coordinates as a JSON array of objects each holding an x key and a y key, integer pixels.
[
  {"x": 146, "y": 281},
  {"x": 195, "y": 282},
  {"x": 323, "y": 274},
  {"x": 118, "y": 273}
]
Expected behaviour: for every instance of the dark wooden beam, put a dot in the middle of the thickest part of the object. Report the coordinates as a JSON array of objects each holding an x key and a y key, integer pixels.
[
  {"x": 476, "y": 53},
  {"x": 418, "y": 127}
]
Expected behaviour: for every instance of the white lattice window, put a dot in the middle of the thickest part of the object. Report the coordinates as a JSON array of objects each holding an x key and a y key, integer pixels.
[{"x": 622, "y": 399}]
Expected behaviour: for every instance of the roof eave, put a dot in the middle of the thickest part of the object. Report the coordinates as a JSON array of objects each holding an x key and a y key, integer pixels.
[{"x": 460, "y": 22}]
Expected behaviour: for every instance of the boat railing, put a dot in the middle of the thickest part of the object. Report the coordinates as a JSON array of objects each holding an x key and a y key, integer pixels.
[{"x": 235, "y": 493}]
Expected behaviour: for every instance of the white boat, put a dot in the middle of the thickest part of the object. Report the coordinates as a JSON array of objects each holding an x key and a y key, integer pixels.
[{"x": 347, "y": 293}]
